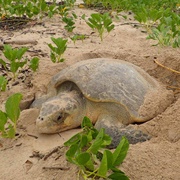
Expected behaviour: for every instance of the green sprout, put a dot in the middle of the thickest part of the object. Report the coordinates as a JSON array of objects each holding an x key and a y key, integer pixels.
[
  {"x": 8, "y": 119},
  {"x": 3, "y": 83},
  {"x": 78, "y": 37},
  {"x": 16, "y": 61},
  {"x": 100, "y": 22},
  {"x": 58, "y": 51},
  {"x": 88, "y": 151}
]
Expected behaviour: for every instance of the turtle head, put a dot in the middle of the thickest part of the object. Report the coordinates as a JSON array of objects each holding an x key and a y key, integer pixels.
[{"x": 60, "y": 113}]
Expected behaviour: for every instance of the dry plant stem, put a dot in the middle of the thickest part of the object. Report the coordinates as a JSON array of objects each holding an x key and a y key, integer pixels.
[
  {"x": 58, "y": 157},
  {"x": 7, "y": 148},
  {"x": 31, "y": 135},
  {"x": 57, "y": 167},
  {"x": 18, "y": 42},
  {"x": 21, "y": 42},
  {"x": 52, "y": 151},
  {"x": 172, "y": 70},
  {"x": 174, "y": 87}
]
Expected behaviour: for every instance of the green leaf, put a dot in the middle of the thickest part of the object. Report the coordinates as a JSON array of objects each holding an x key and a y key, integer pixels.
[
  {"x": 97, "y": 142},
  {"x": 59, "y": 42},
  {"x": 72, "y": 150},
  {"x": 20, "y": 52},
  {"x": 89, "y": 165},
  {"x": 3, "y": 63},
  {"x": 51, "y": 47},
  {"x": 90, "y": 25},
  {"x": 83, "y": 16},
  {"x": 106, "y": 163},
  {"x": 43, "y": 5},
  {"x": 61, "y": 60},
  {"x": 9, "y": 53},
  {"x": 68, "y": 21},
  {"x": 14, "y": 66},
  {"x": 74, "y": 15},
  {"x": 34, "y": 63},
  {"x": 73, "y": 140},
  {"x": 89, "y": 136},
  {"x": 72, "y": 153},
  {"x": 82, "y": 158},
  {"x": 120, "y": 152},
  {"x": 12, "y": 107},
  {"x": 84, "y": 141},
  {"x": 109, "y": 28},
  {"x": 86, "y": 122},
  {"x": 118, "y": 176},
  {"x": 3, "y": 120},
  {"x": 106, "y": 140},
  {"x": 3, "y": 83},
  {"x": 53, "y": 57},
  {"x": 11, "y": 131}
]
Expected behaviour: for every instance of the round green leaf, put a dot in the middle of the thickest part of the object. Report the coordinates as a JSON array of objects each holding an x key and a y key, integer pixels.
[
  {"x": 83, "y": 158},
  {"x": 12, "y": 107}
]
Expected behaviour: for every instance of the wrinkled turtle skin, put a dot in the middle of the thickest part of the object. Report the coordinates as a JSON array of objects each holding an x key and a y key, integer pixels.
[{"x": 112, "y": 93}]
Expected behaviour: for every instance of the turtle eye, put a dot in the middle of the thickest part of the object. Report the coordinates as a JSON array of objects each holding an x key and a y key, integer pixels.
[{"x": 60, "y": 117}]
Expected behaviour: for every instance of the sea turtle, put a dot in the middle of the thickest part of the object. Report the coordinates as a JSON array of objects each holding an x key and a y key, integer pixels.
[{"x": 112, "y": 93}]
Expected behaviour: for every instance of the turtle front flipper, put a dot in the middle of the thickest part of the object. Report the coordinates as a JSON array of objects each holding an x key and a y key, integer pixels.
[
  {"x": 37, "y": 103},
  {"x": 117, "y": 130}
]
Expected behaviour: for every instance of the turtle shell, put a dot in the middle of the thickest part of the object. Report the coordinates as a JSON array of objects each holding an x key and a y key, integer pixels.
[{"x": 108, "y": 80}]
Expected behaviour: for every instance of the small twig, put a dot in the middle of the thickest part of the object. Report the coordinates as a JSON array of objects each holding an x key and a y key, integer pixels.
[
  {"x": 7, "y": 148},
  {"x": 52, "y": 152},
  {"x": 19, "y": 144},
  {"x": 58, "y": 157},
  {"x": 18, "y": 42},
  {"x": 57, "y": 167},
  {"x": 37, "y": 154},
  {"x": 31, "y": 135},
  {"x": 172, "y": 70},
  {"x": 21, "y": 42},
  {"x": 16, "y": 20},
  {"x": 129, "y": 23},
  {"x": 174, "y": 87}
]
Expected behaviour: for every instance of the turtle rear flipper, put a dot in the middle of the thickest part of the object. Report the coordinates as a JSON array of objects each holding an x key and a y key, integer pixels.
[{"x": 117, "y": 131}]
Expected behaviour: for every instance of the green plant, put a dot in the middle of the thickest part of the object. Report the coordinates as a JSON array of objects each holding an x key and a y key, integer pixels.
[
  {"x": 58, "y": 51},
  {"x": 65, "y": 7},
  {"x": 168, "y": 31},
  {"x": 148, "y": 17},
  {"x": 93, "y": 3},
  {"x": 87, "y": 150},
  {"x": 3, "y": 83},
  {"x": 5, "y": 6},
  {"x": 69, "y": 23},
  {"x": 16, "y": 60},
  {"x": 70, "y": 3},
  {"x": 8, "y": 119},
  {"x": 151, "y": 14},
  {"x": 34, "y": 63},
  {"x": 164, "y": 36},
  {"x": 78, "y": 37},
  {"x": 52, "y": 9},
  {"x": 28, "y": 8},
  {"x": 63, "y": 10},
  {"x": 101, "y": 22}
]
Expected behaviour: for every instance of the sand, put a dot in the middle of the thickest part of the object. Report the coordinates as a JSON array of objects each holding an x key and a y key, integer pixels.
[{"x": 158, "y": 158}]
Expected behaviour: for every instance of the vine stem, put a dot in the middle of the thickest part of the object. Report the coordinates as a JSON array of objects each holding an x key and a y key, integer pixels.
[{"x": 170, "y": 69}]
